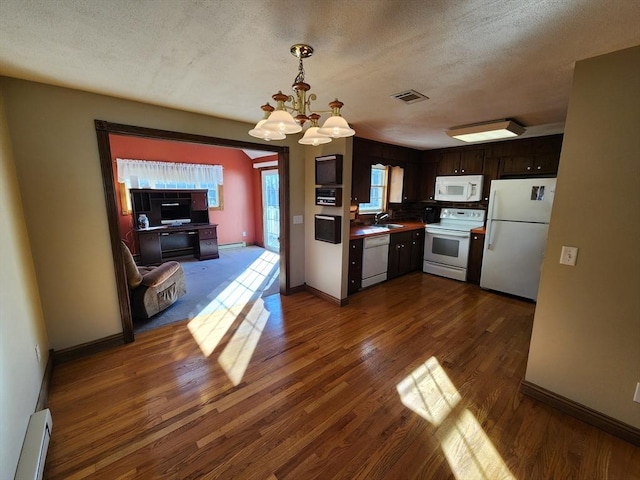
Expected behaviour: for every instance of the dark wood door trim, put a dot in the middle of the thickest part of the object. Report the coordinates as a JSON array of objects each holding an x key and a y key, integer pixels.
[{"x": 104, "y": 128}]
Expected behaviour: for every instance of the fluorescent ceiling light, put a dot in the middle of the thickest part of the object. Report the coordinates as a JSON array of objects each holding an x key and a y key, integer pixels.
[{"x": 487, "y": 131}]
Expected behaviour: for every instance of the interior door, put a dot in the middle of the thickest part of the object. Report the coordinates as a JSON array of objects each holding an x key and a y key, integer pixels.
[{"x": 271, "y": 210}]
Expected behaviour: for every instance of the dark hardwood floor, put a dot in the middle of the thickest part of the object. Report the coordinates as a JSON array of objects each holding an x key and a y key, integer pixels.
[{"x": 417, "y": 378}]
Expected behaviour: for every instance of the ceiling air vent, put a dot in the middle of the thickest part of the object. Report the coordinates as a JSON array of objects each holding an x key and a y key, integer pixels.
[{"x": 410, "y": 96}]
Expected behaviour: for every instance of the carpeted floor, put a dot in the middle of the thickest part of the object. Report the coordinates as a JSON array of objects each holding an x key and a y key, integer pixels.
[{"x": 256, "y": 268}]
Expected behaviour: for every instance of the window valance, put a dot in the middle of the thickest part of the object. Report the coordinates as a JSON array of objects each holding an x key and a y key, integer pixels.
[
  {"x": 152, "y": 174},
  {"x": 170, "y": 175}
]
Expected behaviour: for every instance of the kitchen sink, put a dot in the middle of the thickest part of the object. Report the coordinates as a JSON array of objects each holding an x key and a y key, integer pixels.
[{"x": 381, "y": 227}]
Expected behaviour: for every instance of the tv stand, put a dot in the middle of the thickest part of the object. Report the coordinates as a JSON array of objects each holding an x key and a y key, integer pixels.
[
  {"x": 160, "y": 243},
  {"x": 167, "y": 237}
]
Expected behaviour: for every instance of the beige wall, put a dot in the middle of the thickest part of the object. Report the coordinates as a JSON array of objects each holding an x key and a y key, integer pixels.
[
  {"x": 21, "y": 322},
  {"x": 325, "y": 263},
  {"x": 586, "y": 332},
  {"x": 56, "y": 157}
]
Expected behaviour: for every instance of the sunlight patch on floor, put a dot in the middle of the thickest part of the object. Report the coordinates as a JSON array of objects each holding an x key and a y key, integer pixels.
[
  {"x": 429, "y": 392},
  {"x": 469, "y": 451},
  {"x": 209, "y": 326},
  {"x": 236, "y": 356}
]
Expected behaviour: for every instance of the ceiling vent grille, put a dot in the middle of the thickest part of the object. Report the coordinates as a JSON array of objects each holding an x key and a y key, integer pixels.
[{"x": 410, "y": 96}]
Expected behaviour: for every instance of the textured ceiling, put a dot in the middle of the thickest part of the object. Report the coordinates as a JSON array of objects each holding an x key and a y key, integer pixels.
[{"x": 477, "y": 60}]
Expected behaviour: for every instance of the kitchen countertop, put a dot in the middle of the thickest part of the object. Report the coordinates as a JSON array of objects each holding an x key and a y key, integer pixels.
[
  {"x": 361, "y": 231},
  {"x": 480, "y": 231}
]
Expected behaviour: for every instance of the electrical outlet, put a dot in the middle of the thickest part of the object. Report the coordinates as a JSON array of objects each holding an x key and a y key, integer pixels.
[
  {"x": 636, "y": 396},
  {"x": 244, "y": 234},
  {"x": 569, "y": 255},
  {"x": 38, "y": 352}
]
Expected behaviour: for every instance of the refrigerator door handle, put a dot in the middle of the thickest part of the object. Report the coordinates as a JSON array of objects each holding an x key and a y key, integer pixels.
[{"x": 492, "y": 202}]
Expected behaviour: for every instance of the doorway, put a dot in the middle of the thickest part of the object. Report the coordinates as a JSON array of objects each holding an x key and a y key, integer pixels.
[
  {"x": 104, "y": 129},
  {"x": 271, "y": 209}
]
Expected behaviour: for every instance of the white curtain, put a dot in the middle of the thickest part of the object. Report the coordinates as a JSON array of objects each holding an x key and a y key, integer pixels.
[
  {"x": 150, "y": 174},
  {"x": 146, "y": 174}
]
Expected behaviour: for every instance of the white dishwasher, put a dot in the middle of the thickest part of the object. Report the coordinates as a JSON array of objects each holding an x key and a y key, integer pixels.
[{"x": 375, "y": 257}]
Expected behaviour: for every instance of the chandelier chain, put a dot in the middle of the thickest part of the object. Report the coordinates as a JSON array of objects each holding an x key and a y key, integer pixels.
[{"x": 300, "y": 77}]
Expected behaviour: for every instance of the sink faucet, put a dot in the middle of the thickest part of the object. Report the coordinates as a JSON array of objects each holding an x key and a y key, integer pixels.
[{"x": 380, "y": 216}]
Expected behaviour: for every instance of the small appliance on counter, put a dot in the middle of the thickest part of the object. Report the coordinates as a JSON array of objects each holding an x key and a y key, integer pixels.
[{"x": 431, "y": 215}]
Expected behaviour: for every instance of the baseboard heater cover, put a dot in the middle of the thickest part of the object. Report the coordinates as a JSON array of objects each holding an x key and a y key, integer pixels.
[
  {"x": 35, "y": 446},
  {"x": 232, "y": 245}
]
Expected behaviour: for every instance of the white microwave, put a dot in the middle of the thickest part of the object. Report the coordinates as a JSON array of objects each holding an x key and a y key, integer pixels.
[{"x": 461, "y": 188}]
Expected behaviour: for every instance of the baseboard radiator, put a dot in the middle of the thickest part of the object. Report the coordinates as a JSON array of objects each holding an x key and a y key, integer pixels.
[
  {"x": 232, "y": 245},
  {"x": 34, "y": 448}
]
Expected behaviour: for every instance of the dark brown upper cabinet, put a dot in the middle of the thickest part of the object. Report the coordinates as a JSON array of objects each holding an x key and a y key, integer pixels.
[
  {"x": 367, "y": 153},
  {"x": 545, "y": 163},
  {"x": 461, "y": 162},
  {"x": 363, "y": 157}
]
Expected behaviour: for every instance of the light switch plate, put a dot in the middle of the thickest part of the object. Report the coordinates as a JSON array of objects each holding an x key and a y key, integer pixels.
[
  {"x": 569, "y": 255},
  {"x": 297, "y": 219},
  {"x": 636, "y": 396}
]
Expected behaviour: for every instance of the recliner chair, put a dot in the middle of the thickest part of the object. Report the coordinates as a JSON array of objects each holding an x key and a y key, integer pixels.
[{"x": 152, "y": 289}]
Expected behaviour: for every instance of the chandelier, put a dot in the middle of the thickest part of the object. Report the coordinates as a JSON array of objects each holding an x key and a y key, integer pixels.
[{"x": 279, "y": 121}]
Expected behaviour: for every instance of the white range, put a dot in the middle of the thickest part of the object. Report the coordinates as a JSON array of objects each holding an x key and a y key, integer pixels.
[{"x": 446, "y": 244}]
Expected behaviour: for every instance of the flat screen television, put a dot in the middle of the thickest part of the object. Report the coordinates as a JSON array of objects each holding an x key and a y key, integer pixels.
[{"x": 172, "y": 213}]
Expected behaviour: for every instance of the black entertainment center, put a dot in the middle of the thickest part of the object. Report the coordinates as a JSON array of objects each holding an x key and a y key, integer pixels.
[{"x": 178, "y": 225}]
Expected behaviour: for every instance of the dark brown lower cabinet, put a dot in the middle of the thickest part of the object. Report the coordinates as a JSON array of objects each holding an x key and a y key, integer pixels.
[
  {"x": 207, "y": 243},
  {"x": 150, "y": 248},
  {"x": 405, "y": 252},
  {"x": 417, "y": 249},
  {"x": 355, "y": 265},
  {"x": 405, "y": 255},
  {"x": 476, "y": 250}
]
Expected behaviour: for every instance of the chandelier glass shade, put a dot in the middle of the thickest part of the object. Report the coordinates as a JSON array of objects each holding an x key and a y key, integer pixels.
[
  {"x": 264, "y": 133},
  {"x": 336, "y": 126},
  {"x": 312, "y": 136},
  {"x": 280, "y": 121}
]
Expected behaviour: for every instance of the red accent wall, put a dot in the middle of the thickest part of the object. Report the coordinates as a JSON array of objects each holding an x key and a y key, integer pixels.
[{"x": 239, "y": 212}]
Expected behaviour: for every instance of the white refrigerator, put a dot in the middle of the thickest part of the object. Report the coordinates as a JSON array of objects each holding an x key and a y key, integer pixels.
[{"x": 516, "y": 235}]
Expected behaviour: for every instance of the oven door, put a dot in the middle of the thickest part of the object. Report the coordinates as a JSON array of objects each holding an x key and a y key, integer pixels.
[{"x": 447, "y": 247}]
